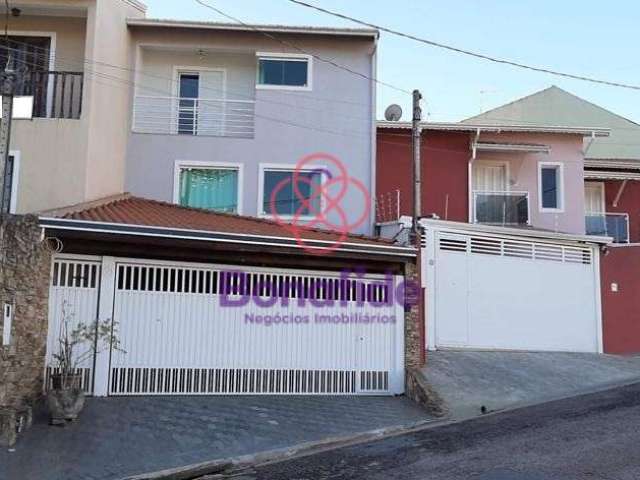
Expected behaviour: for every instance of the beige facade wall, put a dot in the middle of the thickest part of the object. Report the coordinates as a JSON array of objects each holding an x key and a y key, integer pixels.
[
  {"x": 108, "y": 95},
  {"x": 52, "y": 163},
  {"x": 62, "y": 161},
  {"x": 70, "y": 37},
  {"x": 52, "y": 152}
]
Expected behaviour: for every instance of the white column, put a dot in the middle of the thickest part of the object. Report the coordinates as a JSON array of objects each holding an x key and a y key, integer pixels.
[{"x": 105, "y": 312}]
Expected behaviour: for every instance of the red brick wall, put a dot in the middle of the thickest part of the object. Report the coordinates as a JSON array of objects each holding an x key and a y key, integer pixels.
[
  {"x": 445, "y": 157},
  {"x": 621, "y": 309},
  {"x": 629, "y": 203}
]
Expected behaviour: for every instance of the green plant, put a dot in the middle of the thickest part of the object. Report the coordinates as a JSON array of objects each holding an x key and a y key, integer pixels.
[{"x": 98, "y": 336}]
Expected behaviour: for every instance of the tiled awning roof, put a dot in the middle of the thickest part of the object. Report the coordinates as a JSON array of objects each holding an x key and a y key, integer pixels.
[{"x": 122, "y": 213}]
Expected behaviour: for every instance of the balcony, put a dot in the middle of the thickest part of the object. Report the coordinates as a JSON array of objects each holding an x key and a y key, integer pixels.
[
  {"x": 501, "y": 208},
  {"x": 55, "y": 94},
  {"x": 194, "y": 116},
  {"x": 614, "y": 225}
]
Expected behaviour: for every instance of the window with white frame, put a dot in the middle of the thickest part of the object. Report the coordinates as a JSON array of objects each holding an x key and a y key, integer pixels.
[
  {"x": 551, "y": 188},
  {"x": 281, "y": 197},
  {"x": 211, "y": 187},
  {"x": 284, "y": 71}
]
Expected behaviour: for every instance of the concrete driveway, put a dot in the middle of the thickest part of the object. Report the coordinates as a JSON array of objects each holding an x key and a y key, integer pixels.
[
  {"x": 118, "y": 437},
  {"x": 469, "y": 380}
]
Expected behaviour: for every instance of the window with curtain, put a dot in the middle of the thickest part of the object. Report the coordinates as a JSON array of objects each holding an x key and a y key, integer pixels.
[
  {"x": 286, "y": 201},
  {"x": 209, "y": 188}
]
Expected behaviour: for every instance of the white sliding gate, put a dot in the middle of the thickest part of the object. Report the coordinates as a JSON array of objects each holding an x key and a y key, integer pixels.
[
  {"x": 73, "y": 295},
  {"x": 490, "y": 291},
  {"x": 288, "y": 332}
]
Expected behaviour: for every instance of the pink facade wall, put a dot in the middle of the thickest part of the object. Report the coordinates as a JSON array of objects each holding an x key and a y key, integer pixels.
[{"x": 523, "y": 176}]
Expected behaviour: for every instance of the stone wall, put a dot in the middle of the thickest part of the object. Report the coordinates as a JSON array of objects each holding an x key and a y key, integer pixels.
[
  {"x": 413, "y": 343},
  {"x": 24, "y": 283}
]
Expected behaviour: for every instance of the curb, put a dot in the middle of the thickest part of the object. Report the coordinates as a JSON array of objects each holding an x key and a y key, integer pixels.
[
  {"x": 541, "y": 401},
  {"x": 224, "y": 465},
  {"x": 240, "y": 463}
]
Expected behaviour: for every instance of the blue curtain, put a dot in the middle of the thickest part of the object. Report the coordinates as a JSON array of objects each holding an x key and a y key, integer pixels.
[{"x": 212, "y": 189}]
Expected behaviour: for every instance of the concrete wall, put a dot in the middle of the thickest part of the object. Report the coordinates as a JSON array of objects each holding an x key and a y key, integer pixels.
[
  {"x": 336, "y": 117},
  {"x": 158, "y": 73},
  {"x": 52, "y": 163},
  {"x": 621, "y": 308},
  {"x": 523, "y": 173},
  {"x": 70, "y": 34},
  {"x": 108, "y": 101},
  {"x": 52, "y": 151},
  {"x": 445, "y": 157},
  {"x": 445, "y": 178},
  {"x": 63, "y": 162}
]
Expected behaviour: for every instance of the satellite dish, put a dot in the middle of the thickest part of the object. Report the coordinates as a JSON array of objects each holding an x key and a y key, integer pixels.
[{"x": 393, "y": 113}]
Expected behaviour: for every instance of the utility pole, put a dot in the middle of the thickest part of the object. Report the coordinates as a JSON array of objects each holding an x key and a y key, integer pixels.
[
  {"x": 5, "y": 134},
  {"x": 417, "y": 179}
]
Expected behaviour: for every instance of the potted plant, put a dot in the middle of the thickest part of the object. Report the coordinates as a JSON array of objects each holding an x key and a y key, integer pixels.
[{"x": 65, "y": 397}]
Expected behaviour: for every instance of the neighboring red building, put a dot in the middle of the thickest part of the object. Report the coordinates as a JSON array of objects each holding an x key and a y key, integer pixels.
[
  {"x": 445, "y": 173},
  {"x": 612, "y": 198},
  {"x": 620, "y": 267}
]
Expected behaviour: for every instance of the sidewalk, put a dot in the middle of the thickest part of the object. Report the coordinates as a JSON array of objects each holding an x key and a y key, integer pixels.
[
  {"x": 118, "y": 437},
  {"x": 469, "y": 380}
]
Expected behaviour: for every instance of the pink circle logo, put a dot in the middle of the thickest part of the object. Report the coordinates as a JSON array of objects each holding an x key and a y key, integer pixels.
[{"x": 315, "y": 201}]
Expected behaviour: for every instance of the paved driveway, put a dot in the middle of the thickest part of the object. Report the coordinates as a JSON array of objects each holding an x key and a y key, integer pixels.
[
  {"x": 467, "y": 380},
  {"x": 116, "y": 437}
]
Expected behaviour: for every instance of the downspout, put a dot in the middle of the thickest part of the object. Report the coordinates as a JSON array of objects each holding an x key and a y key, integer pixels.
[
  {"x": 588, "y": 146},
  {"x": 476, "y": 137},
  {"x": 619, "y": 194}
]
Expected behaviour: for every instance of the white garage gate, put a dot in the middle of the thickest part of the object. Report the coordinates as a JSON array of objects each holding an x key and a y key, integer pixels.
[
  {"x": 288, "y": 332},
  {"x": 503, "y": 291}
]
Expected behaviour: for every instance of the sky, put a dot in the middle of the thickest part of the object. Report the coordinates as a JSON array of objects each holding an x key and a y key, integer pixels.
[{"x": 580, "y": 37}]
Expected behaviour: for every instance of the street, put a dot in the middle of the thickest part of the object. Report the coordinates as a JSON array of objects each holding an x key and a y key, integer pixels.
[{"x": 589, "y": 437}]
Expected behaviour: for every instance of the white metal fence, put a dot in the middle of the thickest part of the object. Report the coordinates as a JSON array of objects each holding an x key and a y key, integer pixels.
[
  {"x": 180, "y": 340},
  {"x": 289, "y": 332},
  {"x": 73, "y": 295},
  {"x": 194, "y": 116}
]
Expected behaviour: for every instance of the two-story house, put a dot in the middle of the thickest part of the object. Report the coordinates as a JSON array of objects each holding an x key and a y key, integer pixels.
[
  {"x": 210, "y": 287},
  {"x": 506, "y": 263},
  {"x": 222, "y": 114},
  {"x": 611, "y": 197}
]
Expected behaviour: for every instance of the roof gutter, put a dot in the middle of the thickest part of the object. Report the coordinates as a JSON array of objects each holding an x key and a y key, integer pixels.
[
  {"x": 515, "y": 232},
  {"x": 470, "y": 127},
  {"x": 221, "y": 237},
  {"x": 167, "y": 23}
]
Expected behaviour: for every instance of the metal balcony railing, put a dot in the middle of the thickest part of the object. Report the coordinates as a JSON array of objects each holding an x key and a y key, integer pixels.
[
  {"x": 55, "y": 94},
  {"x": 501, "y": 208},
  {"x": 614, "y": 225},
  {"x": 194, "y": 116}
]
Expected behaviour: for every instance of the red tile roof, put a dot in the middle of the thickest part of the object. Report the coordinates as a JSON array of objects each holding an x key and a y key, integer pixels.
[{"x": 131, "y": 210}]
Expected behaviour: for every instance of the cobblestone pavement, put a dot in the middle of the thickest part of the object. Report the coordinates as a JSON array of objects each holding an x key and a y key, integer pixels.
[{"x": 116, "y": 437}]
